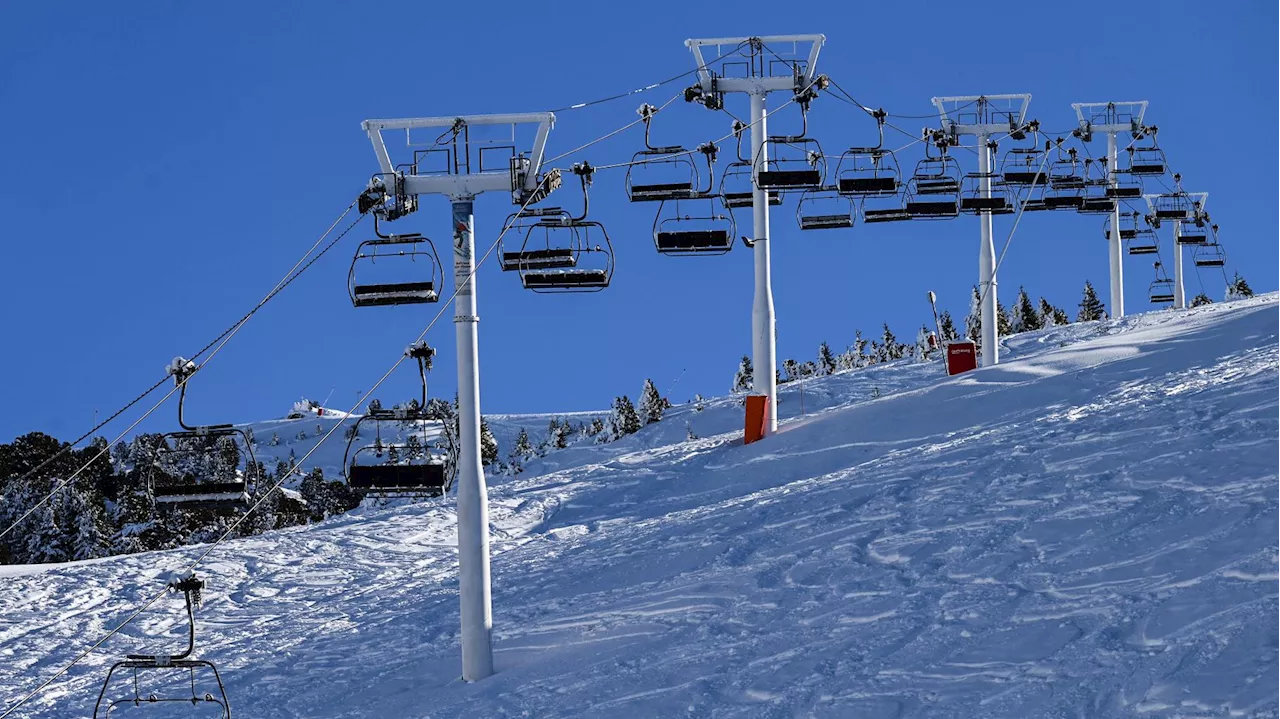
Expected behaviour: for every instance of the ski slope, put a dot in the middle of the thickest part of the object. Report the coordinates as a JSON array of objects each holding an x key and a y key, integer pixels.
[{"x": 1087, "y": 530}]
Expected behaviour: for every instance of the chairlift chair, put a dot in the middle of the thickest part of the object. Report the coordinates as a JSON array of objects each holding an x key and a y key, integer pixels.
[
  {"x": 892, "y": 208},
  {"x": 1174, "y": 206},
  {"x": 737, "y": 189},
  {"x": 1147, "y": 161},
  {"x": 1192, "y": 235},
  {"x": 1160, "y": 291},
  {"x": 1095, "y": 199},
  {"x": 1024, "y": 166},
  {"x": 708, "y": 229},
  {"x": 796, "y": 162},
  {"x": 1210, "y": 254},
  {"x": 195, "y": 672},
  {"x": 563, "y": 253},
  {"x": 737, "y": 182},
  {"x": 659, "y": 174},
  {"x": 1125, "y": 187},
  {"x": 825, "y": 209},
  {"x": 1128, "y": 226},
  {"x": 933, "y": 193},
  {"x": 177, "y": 487},
  {"x": 1144, "y": 242},
  {"x": 974, "y": 201},
  {"x": 368, "y": 289},
  {"x": 868, "y": 172},
  {"x": 1066, "y": 181},
  {"x": 368, "y": 466}
]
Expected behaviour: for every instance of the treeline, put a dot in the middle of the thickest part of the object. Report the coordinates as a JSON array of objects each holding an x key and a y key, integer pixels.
[{"x": 1027, "y": 315}]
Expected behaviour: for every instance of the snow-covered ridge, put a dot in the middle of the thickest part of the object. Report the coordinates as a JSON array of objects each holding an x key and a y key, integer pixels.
[{"x": 1088, "y": 529}]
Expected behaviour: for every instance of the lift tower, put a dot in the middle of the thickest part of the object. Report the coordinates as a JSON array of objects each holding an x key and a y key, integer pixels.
[
  {"x": 1181, "y": 207},
  {"x": 982, "y": 116},
  {"x": 1112, "y": 118},
  {"x": 469, "y": 155},
  {"x": 758, "y": 76}
]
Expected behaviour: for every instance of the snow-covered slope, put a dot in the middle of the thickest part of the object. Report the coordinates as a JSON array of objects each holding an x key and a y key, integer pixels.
[{"x": 1087, "y": 530}]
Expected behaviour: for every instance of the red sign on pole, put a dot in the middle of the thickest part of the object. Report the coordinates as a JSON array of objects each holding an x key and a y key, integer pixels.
[{"x": 962, "y": 356}]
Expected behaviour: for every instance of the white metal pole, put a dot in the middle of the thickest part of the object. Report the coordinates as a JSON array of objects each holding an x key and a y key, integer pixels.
[
  {"x": 1115, "y": 245},
  {"x": 473, "y": 503},
  {"x": 1179, "y": 294},
  {"x": 987, "y": 265},
  {"x": 763, "y": 339}
]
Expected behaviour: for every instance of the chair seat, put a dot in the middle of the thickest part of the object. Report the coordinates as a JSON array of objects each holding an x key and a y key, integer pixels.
[
  {"x": 694, "y": 241},
  {"x": 403, "y": 293},
  {"x": 565, "y": 279}
]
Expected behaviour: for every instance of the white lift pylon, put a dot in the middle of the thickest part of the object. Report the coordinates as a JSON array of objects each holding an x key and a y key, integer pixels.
[
  {"x": 1111, "y": 119},
  {"x": 762, "y": 73},
  {"x": 461, "y": 168},
  {"x": 981, "y": 117}
]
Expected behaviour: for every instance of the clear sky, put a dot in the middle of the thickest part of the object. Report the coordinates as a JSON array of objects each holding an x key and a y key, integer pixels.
[{"x": 162, "y": 165}]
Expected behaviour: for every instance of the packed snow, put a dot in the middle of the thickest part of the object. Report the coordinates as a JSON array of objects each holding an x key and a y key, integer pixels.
[{"x": 1087, "y": 530}]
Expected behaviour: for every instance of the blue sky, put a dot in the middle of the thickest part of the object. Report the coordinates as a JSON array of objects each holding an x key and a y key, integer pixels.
[{"x": 164, "y": 163}]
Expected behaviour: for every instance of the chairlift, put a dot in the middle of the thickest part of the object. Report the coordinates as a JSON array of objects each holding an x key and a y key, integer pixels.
[
  {"x": 706, "y": 230},
  {"x": 825, "y": 209},
  {"x": 1174, "y": 206},
  {"x": 1148, "y": 160},
  {"x": 1144, "y": 241},
  {"x": 1160, "y": 291},
  {"x": 1128, "y": 226},
  {"x": 933, "y": 193},
  {"x": 201, "y": 469},
  {"x": 867, "y": 172},
  {"x": 1066, "y": 181},
  {"x": 1210, "y": 254},
  {"x": 879, "y": 208},
  {"x": 1192, "y": 235},
  {"x": 369, "y": 287},
  {"x": 658, "y": 174},
  {"x": 974, "y": 200},
  {"x": 195, "y": 673},
  {"x": 1024, "y": 166},
  {"x": 796, "y": 162},
  {"x": 560, "y": 252},
  {"x": 428, "y": 472},
  {"x": 737, "y": 182}
]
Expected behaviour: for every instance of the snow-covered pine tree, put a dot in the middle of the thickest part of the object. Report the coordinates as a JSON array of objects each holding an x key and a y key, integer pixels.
[
  {"x": 393, "y": 454},
  {"x": 488, "y": 443},
  {"x": 826, "y": 360},
  {"x": 1238, "y": 289},
  {"x": 1091, "y": 308},
  {"x": 809, "y": 369},
  {"x": 890, "y": 346},
  {"x": 973, "y": 321},
  {"x": 699, "y": 403},
  {"x": 790, "y": 370},
  {"x": 596, "y": 428},
  {"x": 1025, "y": 316},
  {"x": 744, "y": 377},
  {"x": 860, "y": 349},
  {"x": 947, "y": 326},
  {"x": 522, "y": 450},
  {"x": 413, "y": 448},
  {"x": 1201, "y": 299},
  {"x": 1004, "y": 320},
  {"x": 1046, "y": 313},
  {"x": 378, "y": 448},
  {"x": 624, "y": 419},
  {"x": 651, "y": 404}
]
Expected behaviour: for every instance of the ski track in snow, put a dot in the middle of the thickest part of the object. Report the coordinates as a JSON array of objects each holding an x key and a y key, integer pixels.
[{"x": 1087, "y": 530}]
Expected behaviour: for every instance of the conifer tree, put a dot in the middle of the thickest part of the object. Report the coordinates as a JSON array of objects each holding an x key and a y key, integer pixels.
[
  {"x": 413, "y": 448},
  {"x": 1201, "y": 299},
  {"x": 488, "y": 443},
  {"x": 826, "y": 360},
  {"x": 1091, "y": 308},
  {"x": 1048, "y": 314},
  {"x": 1238, "y": 289},
  {"x": 790, "y": 370},
  {"x": 744, "y": 378},
  {"x": 860, "y": 349},
  {"x": 625, "y": 421},
  {"x": 947, "y": 326},
  {"x": 375, "y": 405},
  {"x": 1026, "y": 318},
  {"x": 393, "y": 454},
  {"x": 651, "y": 403},
  {"x": 922, "y": 348},
  {"x": 1004, "y": 320},
  {"x": 973, "y": 322},
  {"x": 890, "y": 347}
]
